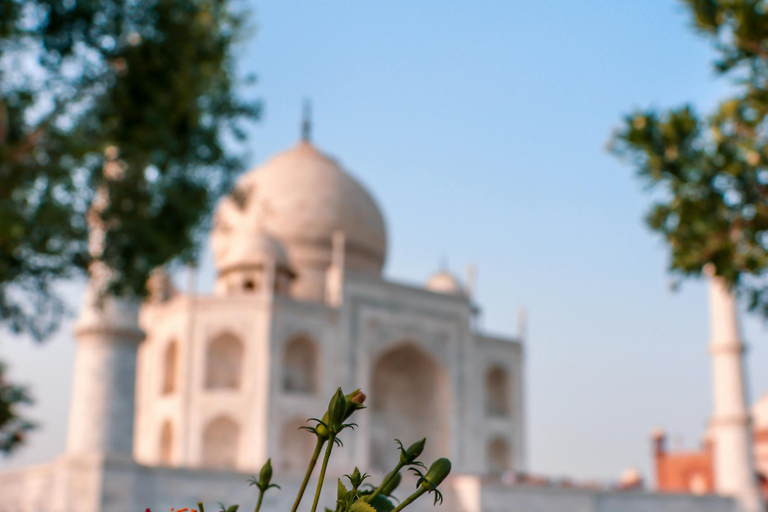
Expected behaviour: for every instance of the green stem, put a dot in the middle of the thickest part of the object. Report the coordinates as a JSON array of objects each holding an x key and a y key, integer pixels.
[
  {"x": 200, "y": 506},
  {"x": 410, "y": 499},
  {"x": 310, "y": 468},
  {"x": 386, "y": 480},
  {"x": 322, "y": 471},
  {"x": 258, "y": 503}
]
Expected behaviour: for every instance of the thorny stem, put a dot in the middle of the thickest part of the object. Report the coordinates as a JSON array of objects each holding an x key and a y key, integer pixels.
[
  {"x": 310, "y": 468},
  {"x": 410, "y": 499},
  {"x": 258, "y": 503},
  {"x": 386, "y": 480},
  {"x": 322, "y": 471}
]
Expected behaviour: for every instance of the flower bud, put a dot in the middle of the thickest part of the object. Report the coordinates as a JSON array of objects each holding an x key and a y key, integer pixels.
[
  {"x": 437, "y": 473},
  {"x": 337, "y": 409},
  {"x": 356, "y": 478},
  {"x": 321, "y": 430},
  {"x": 412, "y": 453},
  {"x": 354, "y": 402},
  {"x": 265, "y": 475}
]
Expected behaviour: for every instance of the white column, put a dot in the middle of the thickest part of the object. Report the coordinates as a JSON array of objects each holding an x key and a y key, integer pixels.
[
  {"x": 731, "y": 423},
  {"x": 101, "y": 414}
]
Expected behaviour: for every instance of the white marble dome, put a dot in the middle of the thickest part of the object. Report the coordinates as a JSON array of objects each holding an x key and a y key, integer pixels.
[
  {"x": 301, "y": 197},
  {"x": 445, "y": 282}
]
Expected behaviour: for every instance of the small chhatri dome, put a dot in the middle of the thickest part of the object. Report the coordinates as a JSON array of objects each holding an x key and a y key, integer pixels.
[
  {"x": 630, "y": 479},
  {"x": 445, "y": 282},
  {"x": 256, "y": 250},
  {"x": 301, "y": 197}
]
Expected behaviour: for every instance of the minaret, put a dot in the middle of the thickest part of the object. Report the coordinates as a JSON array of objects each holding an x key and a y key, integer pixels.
[
  {"x": 101, "y": 414},
  {"x": 731, "y": 424}
]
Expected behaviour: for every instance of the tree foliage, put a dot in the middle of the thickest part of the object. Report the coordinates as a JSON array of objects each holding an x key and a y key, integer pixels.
[
  {"x": 146, "y": 89},
  {"x": 148, "y": 84},
  {"x": 711, "y": 172},
  {"x": 13, "y": 427}
]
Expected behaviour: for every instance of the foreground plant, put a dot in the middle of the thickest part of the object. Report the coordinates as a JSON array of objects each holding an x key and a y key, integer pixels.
[
  {"x": 361, "y": 497},
  {"x": 263, "y": 482},
  {"x": 352, "y": 402}
]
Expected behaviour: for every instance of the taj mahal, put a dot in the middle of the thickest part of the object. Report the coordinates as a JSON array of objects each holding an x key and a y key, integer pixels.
[
  {"x": 300, "y": 308},
  {"x": 182, "y": 397}
]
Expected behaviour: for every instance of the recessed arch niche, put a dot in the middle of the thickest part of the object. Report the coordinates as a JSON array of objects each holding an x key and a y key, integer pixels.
[
  {"x": 498, "y": 456},
  {"x": 221, "y": 438},
  {"x": 409, "y": 399},
  {"x": 166, "y": 443},
  {"x": 170, "y": 367},
  {"x": 223, "y": 362},
  {"x": 295, "y": 446},
  {"x": 300, "y": 365},
  {"x": 497, "y": 392}
]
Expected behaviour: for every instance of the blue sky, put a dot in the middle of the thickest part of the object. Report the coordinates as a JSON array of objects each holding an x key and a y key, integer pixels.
[{"x": 480, "y": 128}]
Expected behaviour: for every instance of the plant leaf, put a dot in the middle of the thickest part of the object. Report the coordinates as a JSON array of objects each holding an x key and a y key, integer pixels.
[{"x": 361, "y": 506}]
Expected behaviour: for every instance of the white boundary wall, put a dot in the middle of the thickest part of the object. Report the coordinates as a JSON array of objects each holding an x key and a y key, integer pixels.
[{"x": 96, "y": 485}]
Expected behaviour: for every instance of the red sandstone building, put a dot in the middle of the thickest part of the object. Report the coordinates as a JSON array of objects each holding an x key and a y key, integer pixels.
[{"x": 692, "y": 471}]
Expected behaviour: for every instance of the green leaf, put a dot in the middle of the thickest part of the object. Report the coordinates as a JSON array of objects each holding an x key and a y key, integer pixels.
[
  {"x": 361, "y": 506},
  {"x": 341, "y": 492},
  {"x": 382, "y": 504}
]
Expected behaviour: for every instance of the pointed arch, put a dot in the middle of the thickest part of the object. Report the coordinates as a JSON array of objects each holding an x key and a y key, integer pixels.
[
  {"x": 170, "y": 367},
  {"x": 300, "y": 362},
  {"x": 166, "y": 443},
  {"x": 221, "y": 438},
  {"x": 223, "y": 362},
  {"x": 410, "y": 398},
  {"x": 498, "y": 456},
  {"x": 295, "y": 446},
  {"x": 497, "y": 392}
]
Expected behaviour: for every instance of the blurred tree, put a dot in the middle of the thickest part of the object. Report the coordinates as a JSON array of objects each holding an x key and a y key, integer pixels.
[
  {"x": 711, "y": 173},
  {"x": 12, "y": 427},
  {"x": 148, "y": 84}
]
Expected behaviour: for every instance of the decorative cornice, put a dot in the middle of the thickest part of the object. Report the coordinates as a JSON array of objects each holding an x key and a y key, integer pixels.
[
  {"x": 731, "y": 347},
  {"x": 730, "y": 420},
  {"x": 229, "y": 268},
  {"x": 136, "y": 335}
]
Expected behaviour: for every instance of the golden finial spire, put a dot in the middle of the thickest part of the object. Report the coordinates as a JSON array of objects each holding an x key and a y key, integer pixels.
[{"x": 306, "y": 121}]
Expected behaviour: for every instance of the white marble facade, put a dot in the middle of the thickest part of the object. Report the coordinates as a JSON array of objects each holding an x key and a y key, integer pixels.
[{"x": 300, "y": 308}]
